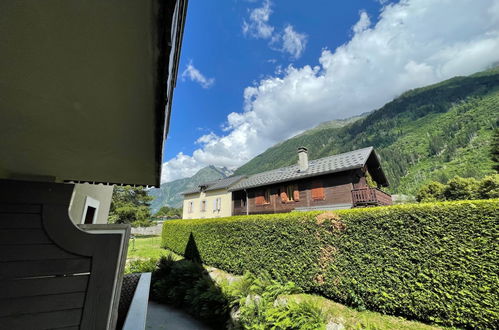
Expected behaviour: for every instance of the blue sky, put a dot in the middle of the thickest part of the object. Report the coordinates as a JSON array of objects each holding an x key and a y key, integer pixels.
[{"x": 253, "y": 73}]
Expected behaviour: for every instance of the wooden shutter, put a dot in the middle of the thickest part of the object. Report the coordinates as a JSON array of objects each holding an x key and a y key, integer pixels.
[
  {"x": 284, "y": 196},
  {"x": 317, "y": 191},
  {"x": 296, "y": 193},
  {"x": 259, "y": 198}
]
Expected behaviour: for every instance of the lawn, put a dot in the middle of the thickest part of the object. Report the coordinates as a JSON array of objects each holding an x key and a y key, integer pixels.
[{"x": 144, "y": 247}]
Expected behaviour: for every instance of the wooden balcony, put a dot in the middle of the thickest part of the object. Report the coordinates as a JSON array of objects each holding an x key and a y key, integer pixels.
[{"x": 370, "y": 197}]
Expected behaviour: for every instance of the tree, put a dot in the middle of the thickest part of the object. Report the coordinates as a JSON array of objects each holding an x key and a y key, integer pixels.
[
  {"x": 169, "y": 212},
  {"x": 129, "y": 204},
  {"x": 489, "y": 187},
  {"x": 495, "y": 149},
  {"x": 431, "y": 192},
  {"x": 461, "y": 188}
]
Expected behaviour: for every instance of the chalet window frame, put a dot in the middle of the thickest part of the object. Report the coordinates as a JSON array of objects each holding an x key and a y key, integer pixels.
[
  {"x": 317, "y": 191},
  {"x": 266, "y": 197},
  {"x": 291, "y": 193},
  {"x": 261, "y": 197},
  {"x": 203, "y": 205},
  {"x": 190, "y": 207}
]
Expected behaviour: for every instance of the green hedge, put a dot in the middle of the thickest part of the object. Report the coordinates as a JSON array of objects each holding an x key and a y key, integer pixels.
[{"x": 434, "y": 262}]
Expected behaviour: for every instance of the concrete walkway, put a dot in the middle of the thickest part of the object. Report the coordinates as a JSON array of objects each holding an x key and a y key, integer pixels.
[{"x": 165, "y": 317}]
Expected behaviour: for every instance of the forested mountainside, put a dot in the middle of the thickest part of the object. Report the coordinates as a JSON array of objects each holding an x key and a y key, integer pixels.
[
  {"x": 429, "y": 133},
  {"x": 169, "y": 194}
]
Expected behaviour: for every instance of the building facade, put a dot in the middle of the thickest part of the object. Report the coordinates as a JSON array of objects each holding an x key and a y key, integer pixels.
[
  {"x": 209, "y": 200},
  {"x": 341, "y": 181}
]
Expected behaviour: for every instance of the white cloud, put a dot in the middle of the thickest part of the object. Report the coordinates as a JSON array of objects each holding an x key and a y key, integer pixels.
[
  {"x": 258, "y": 26},
  {"x": 414, "y": 43},
  {"x": 293, "y": 42},
  {"x": 195, "y": 75},
  {"x": 363, "y": 23}
]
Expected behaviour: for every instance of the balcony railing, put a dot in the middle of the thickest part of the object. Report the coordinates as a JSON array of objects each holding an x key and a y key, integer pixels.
[{"x": 370, "y": 196}]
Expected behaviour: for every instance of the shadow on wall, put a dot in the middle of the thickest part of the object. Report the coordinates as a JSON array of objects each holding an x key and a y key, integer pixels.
[
  {"x": 191, "y": 250},
  {"x": 187, "y": 285}
]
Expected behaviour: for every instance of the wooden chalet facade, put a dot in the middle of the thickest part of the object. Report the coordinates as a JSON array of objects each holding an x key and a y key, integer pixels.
[{"x": 335, "y": 182}]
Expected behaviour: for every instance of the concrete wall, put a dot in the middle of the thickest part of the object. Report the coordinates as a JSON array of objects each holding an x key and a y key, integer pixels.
[
  {"x": 94, "y": 195},
  {"x": 225, "y": 209}
]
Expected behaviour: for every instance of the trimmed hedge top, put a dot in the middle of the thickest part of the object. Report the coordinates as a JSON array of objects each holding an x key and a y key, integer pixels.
[{"x": 435, "y": 262}]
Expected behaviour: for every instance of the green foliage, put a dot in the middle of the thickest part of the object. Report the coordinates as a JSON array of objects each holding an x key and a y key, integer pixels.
[
  {"x": 432, "y": 262},
  {"x": 460, "y": 113},
  {"x": 187, "y": 285},
  {"x": 489, "y": 187},
  {"x": 169, "y": 212},
  {"x": 460, "y": 189},
  {"x": 494, "y": 149},
  {"x": 141, "y": 266},
  {"x": 129, "y": 204},
  {"x": 431, "y": 192},
  {"x": 302, "y": 316},
  {"x": 142, "y": 223},
  {"x": 260, "y": 305}
]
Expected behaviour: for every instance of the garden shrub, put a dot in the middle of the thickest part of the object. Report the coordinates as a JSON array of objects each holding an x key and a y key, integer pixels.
[
  {"x": 434, "y": 262},
  {"x": 187, "y": 285},
  {"x": 141, "y": 266}
]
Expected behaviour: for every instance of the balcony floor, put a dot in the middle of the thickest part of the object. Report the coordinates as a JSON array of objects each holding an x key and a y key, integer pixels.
[{"x": 165, "y": 317}]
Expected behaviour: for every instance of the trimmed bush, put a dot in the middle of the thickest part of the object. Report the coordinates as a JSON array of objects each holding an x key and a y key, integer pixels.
[{"x": 435, "y": 262}]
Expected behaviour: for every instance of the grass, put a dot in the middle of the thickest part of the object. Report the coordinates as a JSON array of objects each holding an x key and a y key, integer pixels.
[
  {"x": 354, "y": 319},
  {"x": 146, "y": 247}
]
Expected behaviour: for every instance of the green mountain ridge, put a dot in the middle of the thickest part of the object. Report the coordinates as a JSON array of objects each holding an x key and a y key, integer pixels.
[
  {"x": 169, "y": 193},
  {"x": 429, "y": 133}
]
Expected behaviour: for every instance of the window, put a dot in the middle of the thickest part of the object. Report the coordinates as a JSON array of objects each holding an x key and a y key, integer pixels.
[
  {"x": 262, "y": 197},
  {"x": 203, "y": 206},
  {"x": 217, "y": 204},
  {"x": 290, "y": 193},
  {"x": 317, "y": 191},
  {"x": 89, "y": 216},
  {"x": 90, "y": 210},
  {"x": 266, "y": 196},
  {"x": 190, "y": 208}
]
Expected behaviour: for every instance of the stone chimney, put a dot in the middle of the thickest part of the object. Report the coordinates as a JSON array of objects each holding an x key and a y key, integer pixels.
[{"x": 303, "y": 159}]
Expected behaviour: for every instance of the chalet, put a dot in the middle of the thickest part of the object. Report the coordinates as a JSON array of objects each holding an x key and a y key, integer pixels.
[
  {"x": 86, "y": 90},
  {"x": 210, "y": 200},
  {"x": 351, "y": 179}
]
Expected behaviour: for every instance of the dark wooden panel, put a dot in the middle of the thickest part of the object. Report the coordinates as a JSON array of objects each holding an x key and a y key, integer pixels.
[
  {"x": 33, "y": 252},
  {"x": 43, "y": 286},
  {"x": 23, "y": 236},
  {"x": 20, "y": 208},
  {"x": 51, "y": 320},
  {"x": 19, "y": 221},
  {"x": 17, "y": 269},
  {"x": 40, "y": 304}
]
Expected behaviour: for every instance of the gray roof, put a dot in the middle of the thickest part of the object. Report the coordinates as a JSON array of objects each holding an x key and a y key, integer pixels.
[
  {"x": 332, "y": 164},
  {"x": 214, "y": 185}
]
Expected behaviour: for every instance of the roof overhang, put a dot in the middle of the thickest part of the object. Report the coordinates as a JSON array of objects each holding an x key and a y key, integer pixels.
[{"x": 86, "y": 88}]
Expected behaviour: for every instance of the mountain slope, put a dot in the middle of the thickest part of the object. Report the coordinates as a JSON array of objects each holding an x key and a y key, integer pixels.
[
  {"x": 169, "y": 194},
  {"x": 429, "y": 133}
]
